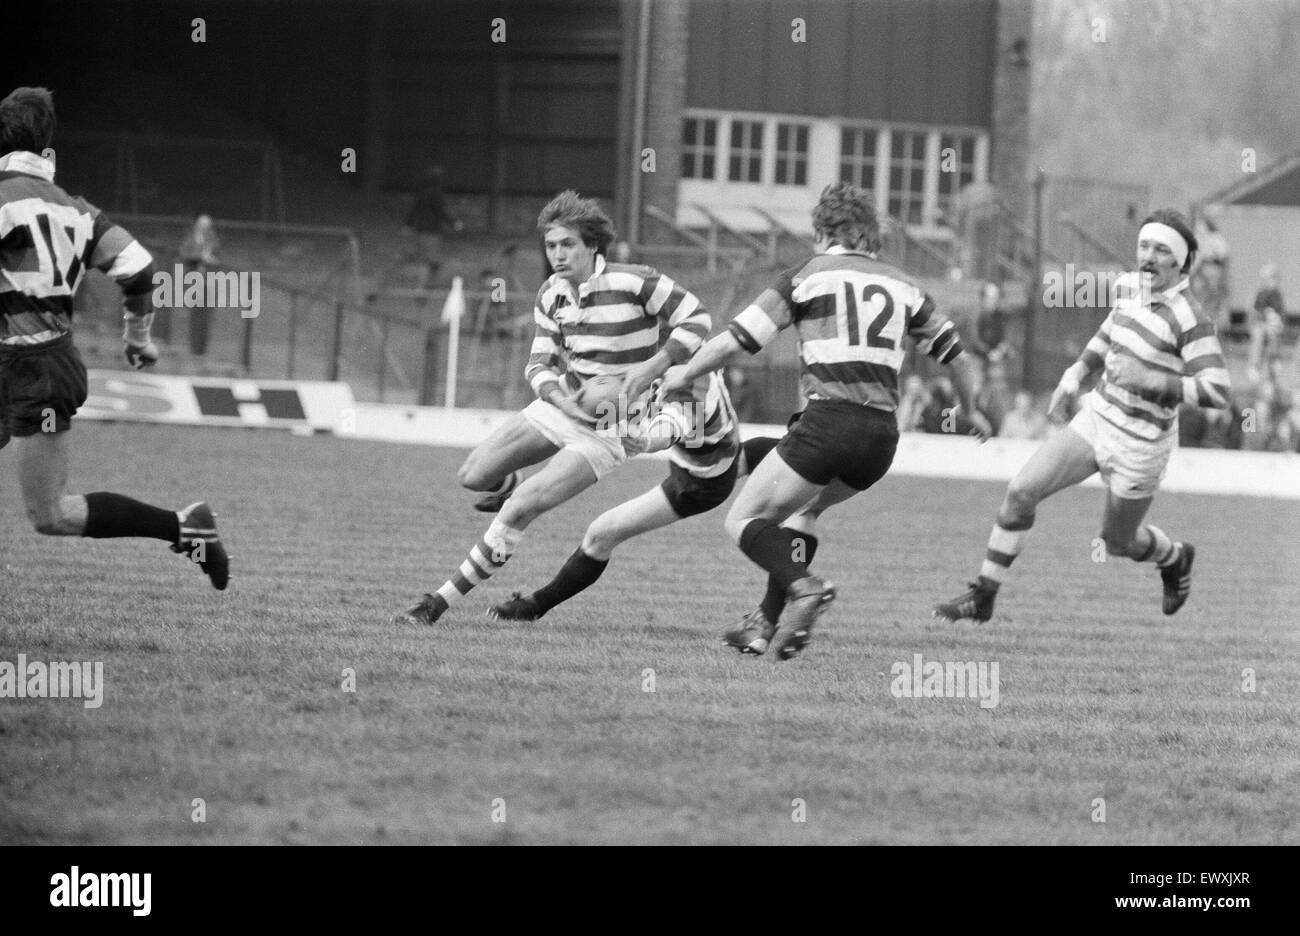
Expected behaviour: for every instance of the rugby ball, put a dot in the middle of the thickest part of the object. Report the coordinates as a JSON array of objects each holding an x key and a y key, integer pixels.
[{"x": 598, "y": 391}]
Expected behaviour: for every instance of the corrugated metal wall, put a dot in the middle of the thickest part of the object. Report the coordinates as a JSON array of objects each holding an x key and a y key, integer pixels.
[{"x": 922, "y": 61}]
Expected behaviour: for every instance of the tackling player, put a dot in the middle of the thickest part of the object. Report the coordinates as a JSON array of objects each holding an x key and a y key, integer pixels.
[
  {"x": 704, "y": 465},
  {"x": 592, "y": 318},
  {"x": 48, "y": 239},
  {"x": 1156, "y": 349},
  {"x": 851, "y": 313}
]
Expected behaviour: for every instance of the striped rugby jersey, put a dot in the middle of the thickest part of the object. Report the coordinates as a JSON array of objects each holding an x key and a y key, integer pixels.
[
  {"x": 1170, "y": 333},
  {"x": 705, "y": 425},
  {"x": 609, "y": 323},
  {"x": 851, "y": 312},
  {"x": 48, "y": 239}
]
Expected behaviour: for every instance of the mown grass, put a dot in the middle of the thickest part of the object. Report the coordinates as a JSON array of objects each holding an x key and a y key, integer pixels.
[{"x": 236, "y": 697}]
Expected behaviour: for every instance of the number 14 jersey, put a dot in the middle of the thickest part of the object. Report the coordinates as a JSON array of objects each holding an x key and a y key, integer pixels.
[{"x": 850, "y": 312}]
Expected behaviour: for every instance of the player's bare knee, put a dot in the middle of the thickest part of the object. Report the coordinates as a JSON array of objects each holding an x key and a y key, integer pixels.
[
  {"x": 1020, "y": 503},
  {"x": 735, "y": 525},
  {"x": 521, "y": 509},
  {"x": 472, "y": 476},
  {"x": 600, "y": 539}
]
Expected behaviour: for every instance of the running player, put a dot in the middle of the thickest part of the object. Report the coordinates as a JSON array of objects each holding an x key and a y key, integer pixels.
[
  {"x": 1156, "y": 349},
  {"x": 851, "y": 313},
  {"x": 48, "y": 239},
  {"x": 706, "y": 458},
  {"x": 592, "y": 318}
]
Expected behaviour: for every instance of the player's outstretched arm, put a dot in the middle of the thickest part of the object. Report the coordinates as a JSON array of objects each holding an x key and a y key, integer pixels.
[
  {"x": 639, "y": 377},
  {"x": 716, "y": 353},
  {"x": 121, "y": 257}
]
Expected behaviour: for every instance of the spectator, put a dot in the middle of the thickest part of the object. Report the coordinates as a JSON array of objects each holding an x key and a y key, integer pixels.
[
  {"x": 498, "y": 313},
  {"x": 741, "y": 390},
  {"x": 994, "y": 397},
  {"x": 912, "y": 405},
  {"x": 1024, "y": 421},
  {"x": 1269, "y": 416},
  {"x": 430, "y": 219},
  {"x": 198, "y": 251},
  {"x": 1191, "y": 426},
  {"x": 1199, "y": 428},
  {"x": 943, "y": 414},
  {"x": 1210, "y": 277},
  {"x": 1269, "y": 322},
  {"x": 989, "y": 343}
]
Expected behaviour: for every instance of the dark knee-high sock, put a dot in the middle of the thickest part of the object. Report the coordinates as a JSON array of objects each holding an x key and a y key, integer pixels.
[
  {"x": 773, "y": 548},
  {"x": 111, "y": 515},
  {"x": 774, "y": 600},
  {"x": 578, "y": 572}
]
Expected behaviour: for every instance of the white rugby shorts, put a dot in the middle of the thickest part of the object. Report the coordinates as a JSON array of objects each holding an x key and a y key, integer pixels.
[
  {"x": 603, "y": 450},
  {"x": 1131, "y": 467}
]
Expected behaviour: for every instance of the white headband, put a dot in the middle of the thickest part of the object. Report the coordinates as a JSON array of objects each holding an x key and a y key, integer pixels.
[{"x": 1164, "y": 234}]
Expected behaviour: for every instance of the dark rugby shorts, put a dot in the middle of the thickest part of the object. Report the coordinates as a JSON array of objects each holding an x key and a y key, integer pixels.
[
  {"x": 689, "y": 495},
  {"x": 838, "y": 439},
  {"x": 37, "y": 383}
]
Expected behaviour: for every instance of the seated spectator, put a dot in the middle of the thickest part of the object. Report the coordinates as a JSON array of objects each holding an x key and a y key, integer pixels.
[
  {"x": 1024, "y": 421},
  {"x": 912, "y": 404},
  {"x": 941, "y": 414},
  {"x": 1191, "y": 426},
  {"x": 1268, "y": 420},
  {"x": 993, "y": 396},
  {"x": 741, "y": 389},
  {"x": 1222, "y": 427}
]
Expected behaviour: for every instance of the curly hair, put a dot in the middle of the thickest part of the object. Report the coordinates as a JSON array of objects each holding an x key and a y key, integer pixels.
[
  {"x": 26, "y": 120},
  {"x": 846, "y": 215},
  {"x": 584, "y": 215},
  {"x": 1175, "y": 220}
]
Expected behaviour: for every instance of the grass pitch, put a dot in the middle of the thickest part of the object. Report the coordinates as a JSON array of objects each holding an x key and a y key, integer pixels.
[{"x": 236, "y": 698}]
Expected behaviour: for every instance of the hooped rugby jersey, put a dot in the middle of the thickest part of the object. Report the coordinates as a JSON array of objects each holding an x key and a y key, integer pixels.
[
  {"x": 48, "y": 239},
  {"x": 851, "y": 312},
  {"x": 610, "y": 322},
  {"x": 704, "y": 424},
  {"x": 1170, "y": 334}
]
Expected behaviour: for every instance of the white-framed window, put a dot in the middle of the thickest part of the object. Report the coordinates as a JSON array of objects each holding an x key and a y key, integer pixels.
[
  {"x": 700, "y": 148},
  {"x": 914, "y": 171},
  {"x": 745, "y": 155},
  {"x": 858, "y": 156},
  {"x": 907, "y": 165},
  {"x": 791, "y": 154}
]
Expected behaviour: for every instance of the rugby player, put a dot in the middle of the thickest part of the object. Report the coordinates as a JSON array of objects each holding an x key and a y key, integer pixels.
[
  {"x": 48, "y": 239},
  {"x": 1156, "y": 349},
  {"x": 851, "y": 313},
  {"x": 701, "y": 432},
  {"x": 593, "y": 318}
]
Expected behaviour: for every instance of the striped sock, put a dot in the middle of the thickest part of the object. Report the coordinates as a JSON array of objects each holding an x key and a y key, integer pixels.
[
  {"x": 1004, "y": 546},
  {"x": 1162, "y": 551},
  {"x": 490, "y": 554}
]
